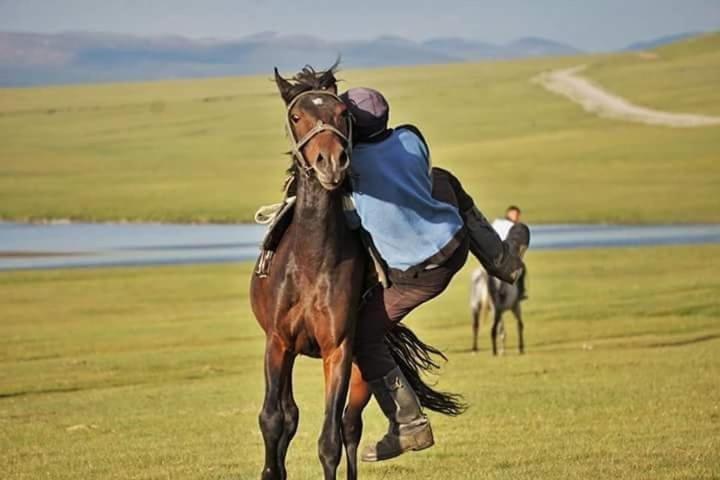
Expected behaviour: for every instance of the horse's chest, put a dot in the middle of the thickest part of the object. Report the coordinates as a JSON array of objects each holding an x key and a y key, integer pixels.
[{"x": 312, "y": 301}]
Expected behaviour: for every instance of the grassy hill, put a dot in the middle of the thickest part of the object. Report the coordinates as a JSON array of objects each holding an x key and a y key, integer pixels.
[
  {"x": 157, "y": 373},
  {"x": 211, "y": 150},
  {"x": 683, "y": 76}
]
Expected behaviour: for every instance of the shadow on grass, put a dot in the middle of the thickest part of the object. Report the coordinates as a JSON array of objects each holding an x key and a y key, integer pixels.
[
  {"x": 599, "y": 343},
  {"x": 687, "y": 341},
  {"x": 40, "y": 392}
]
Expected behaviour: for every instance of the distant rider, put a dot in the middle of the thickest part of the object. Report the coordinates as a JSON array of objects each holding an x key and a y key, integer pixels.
[{"x": 512, "y": 227}]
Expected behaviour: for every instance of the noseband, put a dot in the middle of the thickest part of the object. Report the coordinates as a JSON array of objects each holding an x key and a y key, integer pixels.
[{"x": 320, "y": 126}]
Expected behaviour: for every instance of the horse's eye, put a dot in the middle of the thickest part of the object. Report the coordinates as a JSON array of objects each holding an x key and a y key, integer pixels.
[{"x": 295, "y": 118}]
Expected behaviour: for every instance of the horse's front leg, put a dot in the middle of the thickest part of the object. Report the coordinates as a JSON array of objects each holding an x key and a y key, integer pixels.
[
  {"x": 352, "y": 419},
  {"x": 271, "y": 418},
  {"x": 291, "y": 416},
  {"x": 495, "y": 330},
  {"x": 336, "y": 366},
  {"x": 517, "y": 311}
]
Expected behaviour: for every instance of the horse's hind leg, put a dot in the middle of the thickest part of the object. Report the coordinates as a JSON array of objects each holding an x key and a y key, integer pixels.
[
  {"x": 271, "y": 417},
  {"x": 336, "y": 366},
  {"x": 494, "y": 330},
  {"x": 475, "y": 327},
  {"x": 352, "y": 419},
  {"x": 517, "y": 311},
  {"x": 503, "y": 337},
  {"x": 291, "y": 416}
]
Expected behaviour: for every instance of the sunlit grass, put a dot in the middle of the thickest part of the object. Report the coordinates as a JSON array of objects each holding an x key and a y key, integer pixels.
[{"x": 157, "y": 373}]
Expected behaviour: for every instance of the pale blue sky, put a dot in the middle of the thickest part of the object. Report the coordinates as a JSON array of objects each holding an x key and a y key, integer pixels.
[{"x": 587, "y": 24}]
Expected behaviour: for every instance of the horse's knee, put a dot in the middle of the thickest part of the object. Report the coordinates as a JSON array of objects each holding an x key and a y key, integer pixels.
[
  {"x": 329, "y": 450},
  {"x": 271, "y": 421},
  {"x": 349, "y": 422},
  {"x": 352, "y": 427},
  {"x": 291, "y": 417}
]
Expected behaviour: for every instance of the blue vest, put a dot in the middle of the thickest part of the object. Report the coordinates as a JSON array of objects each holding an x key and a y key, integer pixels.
[{"x": 392, "y": 190}]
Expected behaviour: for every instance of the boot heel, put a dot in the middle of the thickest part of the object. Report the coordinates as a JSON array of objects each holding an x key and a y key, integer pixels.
[{"x": 423, "y": 439}]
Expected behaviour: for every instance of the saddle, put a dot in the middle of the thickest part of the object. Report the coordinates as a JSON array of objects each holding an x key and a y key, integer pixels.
[{"x": 279, "y": 217}]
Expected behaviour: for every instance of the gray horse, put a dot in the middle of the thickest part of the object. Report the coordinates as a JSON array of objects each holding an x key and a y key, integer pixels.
[{"x": 491, "y": 294}]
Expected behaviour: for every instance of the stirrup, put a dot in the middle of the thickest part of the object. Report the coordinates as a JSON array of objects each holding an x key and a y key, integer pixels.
[{"x": 263, "y": 265}]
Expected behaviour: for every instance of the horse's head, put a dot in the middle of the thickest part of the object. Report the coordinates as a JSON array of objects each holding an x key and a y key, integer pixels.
[{"x": 318, "y": 125}]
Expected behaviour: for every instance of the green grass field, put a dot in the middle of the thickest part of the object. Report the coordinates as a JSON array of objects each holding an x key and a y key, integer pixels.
[
  {"x": 211, "y": 150},
  {"x": 156, "y": 373},
  {"x": 677, "y": 78}
]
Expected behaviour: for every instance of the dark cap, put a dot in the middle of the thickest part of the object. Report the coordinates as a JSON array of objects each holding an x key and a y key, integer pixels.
[{"x": 369, "y": 109}]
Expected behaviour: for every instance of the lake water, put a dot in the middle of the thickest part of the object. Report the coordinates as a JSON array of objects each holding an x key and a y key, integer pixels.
[{"x": 29, "y": 246}]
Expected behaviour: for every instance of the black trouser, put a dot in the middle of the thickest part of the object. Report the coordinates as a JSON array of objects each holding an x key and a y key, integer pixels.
[{"x": 387, "y": 306}]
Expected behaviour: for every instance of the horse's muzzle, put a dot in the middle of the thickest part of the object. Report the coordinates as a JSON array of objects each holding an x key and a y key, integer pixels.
[{"x": 333, "y": 175}]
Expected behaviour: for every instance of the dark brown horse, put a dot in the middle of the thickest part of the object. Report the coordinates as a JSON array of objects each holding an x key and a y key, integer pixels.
[{"x": 308, "y": 303}]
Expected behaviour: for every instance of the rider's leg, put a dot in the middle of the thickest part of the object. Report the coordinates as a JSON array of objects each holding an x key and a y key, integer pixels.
[
  {"x": 485, "y": 244},
  {"x": 409, "y": 427}
]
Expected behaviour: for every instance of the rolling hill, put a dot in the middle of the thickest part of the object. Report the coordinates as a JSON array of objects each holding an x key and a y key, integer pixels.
[{"x": 211, "y": 149}]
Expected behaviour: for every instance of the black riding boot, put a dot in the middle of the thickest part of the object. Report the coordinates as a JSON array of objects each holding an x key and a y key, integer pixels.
[
  {"x": 494, "y": 254},
  {"x": 409, "y": 428}
]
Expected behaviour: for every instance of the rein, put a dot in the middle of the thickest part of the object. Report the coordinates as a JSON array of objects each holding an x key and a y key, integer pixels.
[{"x": 320, "y": 126}]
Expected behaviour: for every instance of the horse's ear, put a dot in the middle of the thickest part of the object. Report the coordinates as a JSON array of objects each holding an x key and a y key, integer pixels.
[{"x": 284, "y": 87}]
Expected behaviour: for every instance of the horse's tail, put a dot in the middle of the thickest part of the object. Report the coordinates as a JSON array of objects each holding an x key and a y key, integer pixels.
[{"x": 414, "y": 357}]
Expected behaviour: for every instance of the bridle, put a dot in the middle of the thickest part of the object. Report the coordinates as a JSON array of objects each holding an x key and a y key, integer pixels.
[{"x": 320, "y": 126}]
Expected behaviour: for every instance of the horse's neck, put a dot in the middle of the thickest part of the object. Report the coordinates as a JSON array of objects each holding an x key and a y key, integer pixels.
[{"x": 319, "y": 223}]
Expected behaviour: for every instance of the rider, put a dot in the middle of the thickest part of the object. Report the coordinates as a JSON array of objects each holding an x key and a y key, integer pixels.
[
  {"x": 512, "y": 227},
  {"x": 422, "y": 223}
]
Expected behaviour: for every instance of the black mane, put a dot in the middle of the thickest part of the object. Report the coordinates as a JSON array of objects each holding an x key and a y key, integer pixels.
[
  {"x": 310, "y": 79},
  {"x": 305, "y": 80}
]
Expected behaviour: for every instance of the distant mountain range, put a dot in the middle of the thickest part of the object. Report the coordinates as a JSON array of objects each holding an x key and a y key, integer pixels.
[
  {"x": 82, "y": 57},
  {"x": 659, "y": 42}
]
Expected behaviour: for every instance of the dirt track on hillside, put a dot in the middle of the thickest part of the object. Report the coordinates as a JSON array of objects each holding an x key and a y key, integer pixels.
[{"x": 596, "y": 100}]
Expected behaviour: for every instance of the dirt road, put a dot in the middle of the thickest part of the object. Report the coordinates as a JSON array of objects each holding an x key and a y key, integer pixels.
[{"x": 596, "y": 100}]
